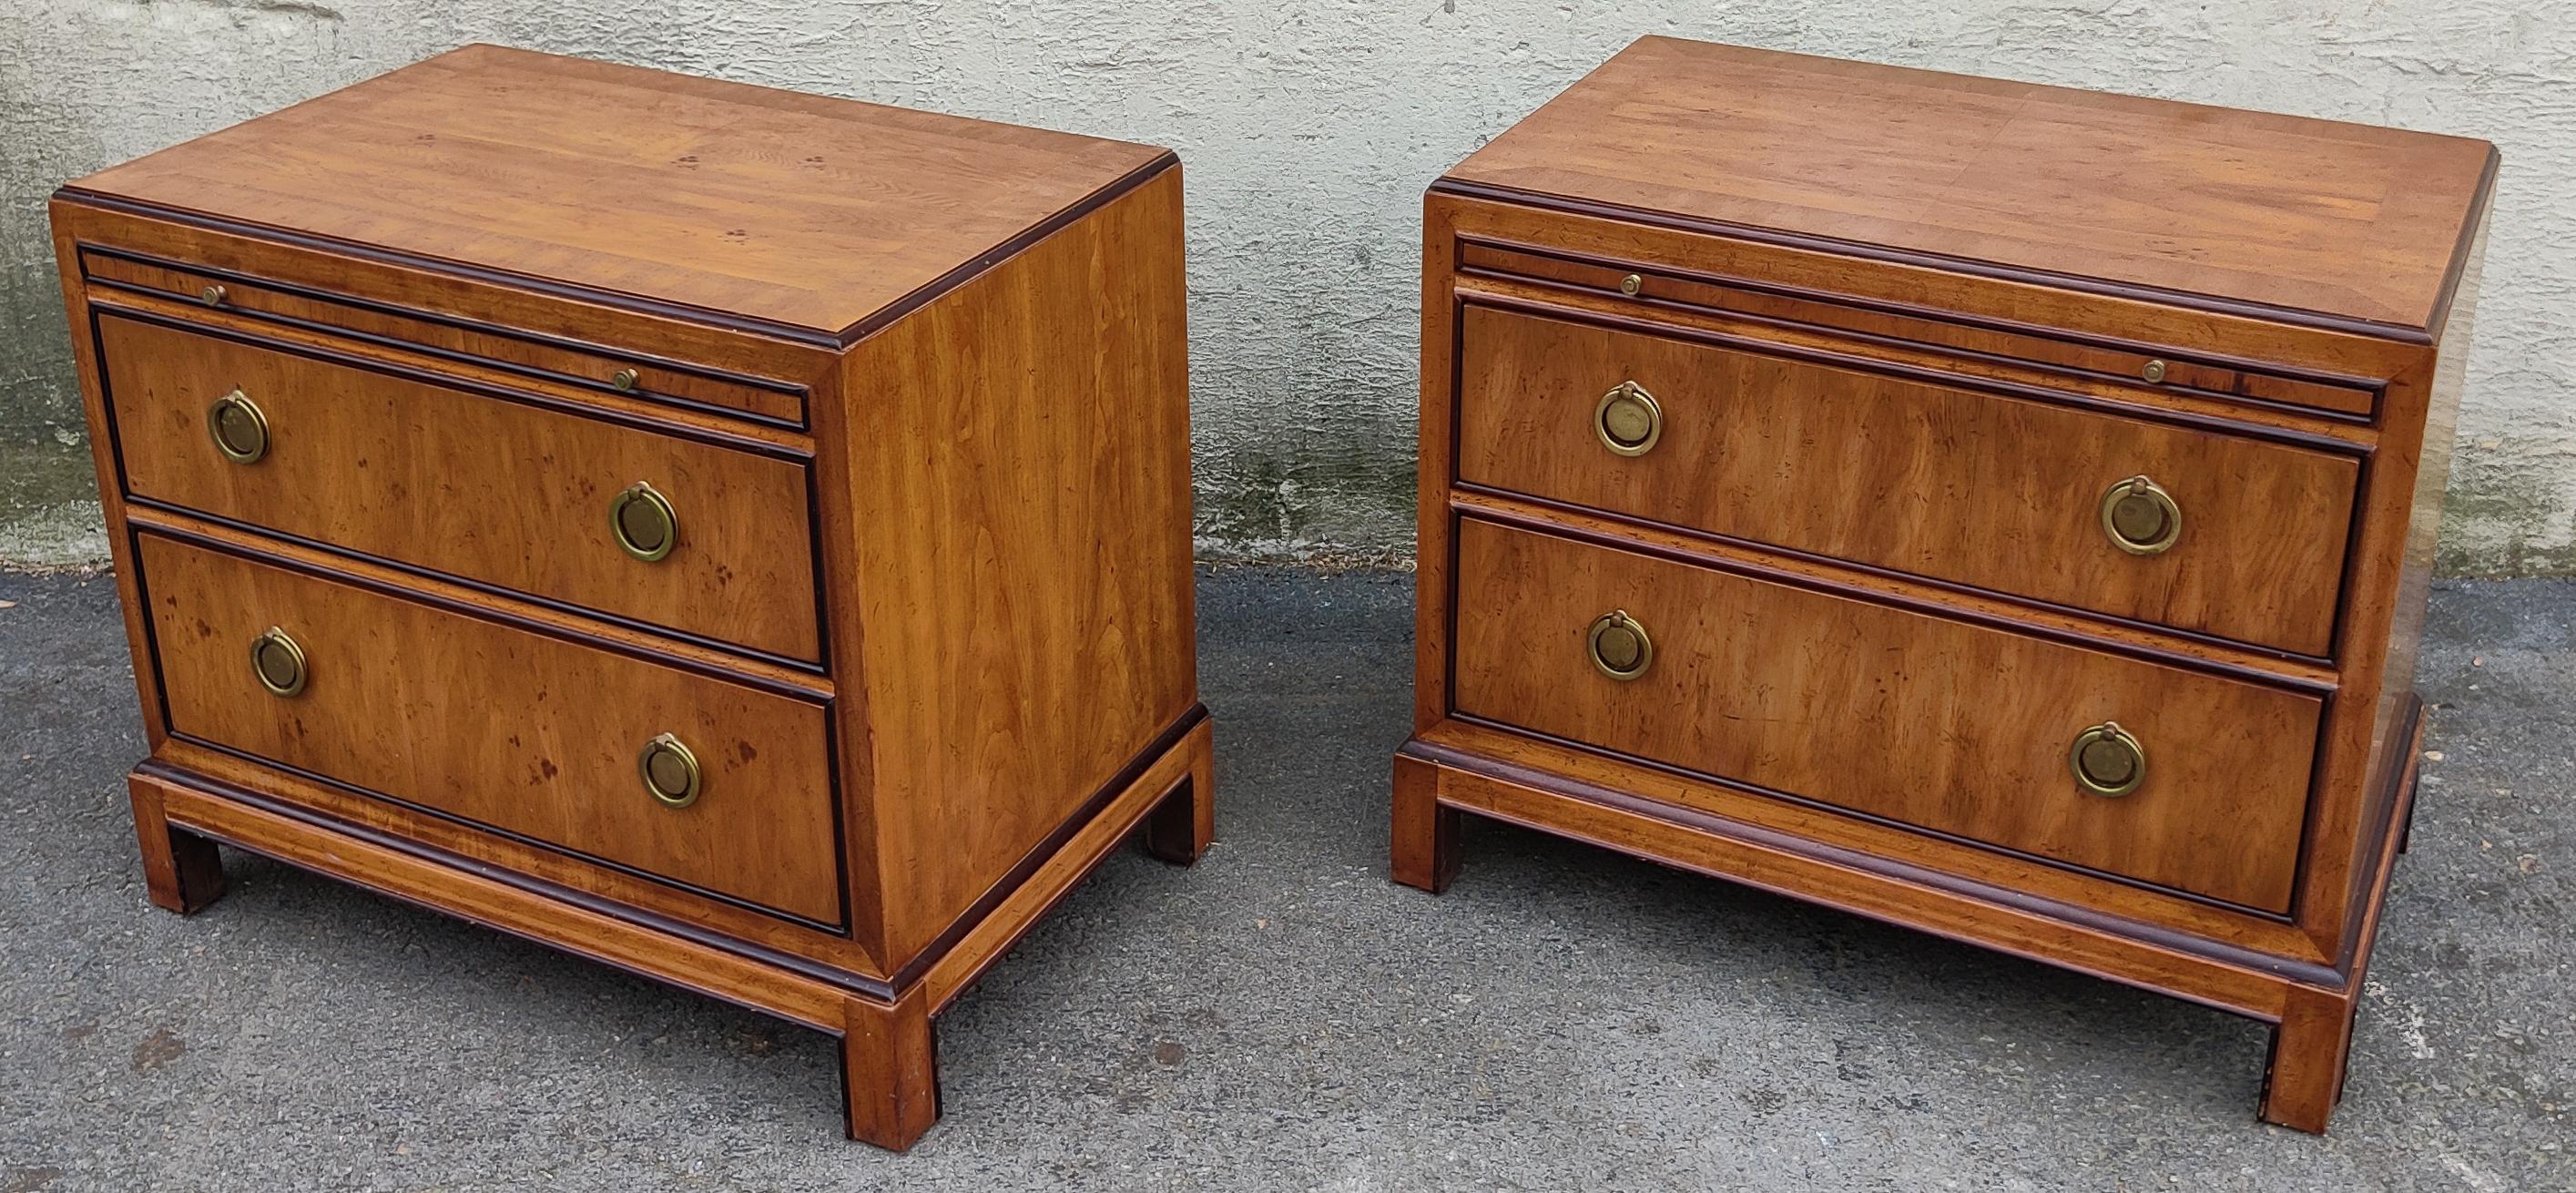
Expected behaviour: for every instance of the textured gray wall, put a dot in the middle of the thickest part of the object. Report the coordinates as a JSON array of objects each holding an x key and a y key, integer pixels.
[{"x": 1309, "y": 130}]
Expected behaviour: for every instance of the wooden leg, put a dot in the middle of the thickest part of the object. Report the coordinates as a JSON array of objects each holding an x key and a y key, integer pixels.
[
  {"x": 1179, "y": 829},
  {"x": 890, "y": 1070},
  {"x": 2310, "y": 1050},
  {"x": 181, "y": 870},
  {"x": 1424, "y": 844}
]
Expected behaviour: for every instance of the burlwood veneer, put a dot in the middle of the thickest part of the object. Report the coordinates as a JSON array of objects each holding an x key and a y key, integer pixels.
[
  {"x": 2267, "y": 307},
  {"x": 917, "y": 388}
]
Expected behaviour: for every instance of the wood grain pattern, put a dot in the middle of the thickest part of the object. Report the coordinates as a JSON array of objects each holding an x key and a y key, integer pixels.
[
  {"x": 474, "y": 342},
  {"x": 611, "y": 940},
  {"x": 890, "y": 1070},
  {"x": 1999, "y": 493},
  {"x": 1786, "y": 865},
  {"x": 2339, "y": 219},
  {"x": 2085, "y": 356},
  {"x": 1952, "y": 728},
  {"x": 608, "y": 325},
  {"x": 501, "y": 727},
  {"x": 1948, "y": 253},
  {"x": 460, "y": 483},
  {"x": 1039, "y": 449},
  {"x": 693, "y": 192},
  {"x": 918, "y": 389}
]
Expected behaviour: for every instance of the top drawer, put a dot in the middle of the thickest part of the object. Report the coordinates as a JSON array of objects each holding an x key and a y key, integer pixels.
[
  {"x": 482, "y": 487},
  {"x": 1998, "y": 493}
]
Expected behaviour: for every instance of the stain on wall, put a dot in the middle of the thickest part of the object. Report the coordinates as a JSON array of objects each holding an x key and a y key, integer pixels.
[{"x": 1308, "y": 130}]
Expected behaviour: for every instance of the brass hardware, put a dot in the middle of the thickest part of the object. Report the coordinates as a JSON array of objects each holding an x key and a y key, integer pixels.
[
  {"x": 644, "y": 522},
  {"x": 1619, "y": 646},
  {"x": 239, "y": 429},
  {"x": 1628, "y": 420},
  {"x": 2107, "y": 760},
  {"x": 2140, "y": 517},
  {"x": 278, "y": 662},
  {"x": 625, "y": 380},
  {"x": 670, "y": 771},
  {"x": 1630, "y": 284},
  {"x": 212, "y": 296},
  {"x": 2154, "y": 372}
]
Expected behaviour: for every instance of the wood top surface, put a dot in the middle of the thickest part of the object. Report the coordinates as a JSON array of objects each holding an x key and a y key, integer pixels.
[
  {"x": 770, "y": 206},
  {"x": 2347, "y": 221}
]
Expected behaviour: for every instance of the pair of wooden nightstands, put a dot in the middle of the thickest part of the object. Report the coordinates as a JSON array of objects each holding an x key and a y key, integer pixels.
[{"x": 751, "y": 547}]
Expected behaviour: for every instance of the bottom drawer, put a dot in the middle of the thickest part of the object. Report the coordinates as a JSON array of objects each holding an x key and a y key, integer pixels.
[
  {"x": 501, "y": 727},
  {"x": 1935, "y": 724}
]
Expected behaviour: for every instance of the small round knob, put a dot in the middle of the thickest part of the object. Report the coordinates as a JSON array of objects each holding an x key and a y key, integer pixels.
[
  {"x": 2154, "y": 372},
  {"x": 1619, "y": 646},
  {"x": 1630, "y": 284},
  {"x": 2107, "y": 760},
  {"x": 625, "y": 379},
  {"x": 2140, "y": 517},
  {"x": 278, "y": 662},
  {"x": 212, "y": 296},
  {"x": 670, "y": 771},
  {"x": 645, "y": 524},
  {"x": 239, "y": 429},
  {"x": 1628, "y": 420}
]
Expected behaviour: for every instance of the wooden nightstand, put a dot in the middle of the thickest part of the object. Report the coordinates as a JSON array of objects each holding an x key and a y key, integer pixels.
[
  {"x": 1991, "y": 508},
  {"x": 739, "y": 536}
]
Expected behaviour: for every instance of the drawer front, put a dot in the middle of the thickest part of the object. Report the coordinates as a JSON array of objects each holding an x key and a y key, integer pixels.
[
  {"x": 500, "y": 726},
  {"x": 1999, "y": 493},
  {"x": 1935, "y": 724},
  {"x": 491, "y": 490}
]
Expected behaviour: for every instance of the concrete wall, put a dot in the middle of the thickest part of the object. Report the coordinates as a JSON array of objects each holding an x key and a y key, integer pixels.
[{"x": 1309, "y": 128}]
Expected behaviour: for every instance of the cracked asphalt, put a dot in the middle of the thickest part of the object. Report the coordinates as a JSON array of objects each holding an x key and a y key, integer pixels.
[{"x": 1279, "y": 1017}]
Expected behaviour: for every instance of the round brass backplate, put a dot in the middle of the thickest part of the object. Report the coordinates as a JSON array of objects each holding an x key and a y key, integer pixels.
[
  {"x": 2153, "y": 371},
  {"x": 1630, "y": 284},
  {"x": 1628, "y": 420},
  {"x": 2107, "y": 760},
  {"x": 1619, "y": 646},
  {"x": 624, "y": 380},
  {"x": 212, "y": 296},
  {"x": 645, "y": 524},
  {"x": 278, "y": 662},
  {"x": 239, "y": 430},
  {"x": 670, "y": 771},
  {"x": 2140, "y": 517}
]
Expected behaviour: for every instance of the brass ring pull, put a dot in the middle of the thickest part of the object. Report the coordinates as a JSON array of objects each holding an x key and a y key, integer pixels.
[
  {"x": 645, "y": 524},
  {"x": 2140, "y": 517},
  {"x": 670, "y": 771},
  {"x": 1628, "y": 420},
  {"x": 1619, "y": 646},
  {"x": 2107, "y": 760},
  {"x": 239, "y": 429},
  {"x": 278, "y": 662}
]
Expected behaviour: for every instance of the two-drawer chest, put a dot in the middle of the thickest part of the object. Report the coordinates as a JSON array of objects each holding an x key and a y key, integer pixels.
[
  {"x": 1995, "y": 509},
  {"x": 739, "y": 536}
]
